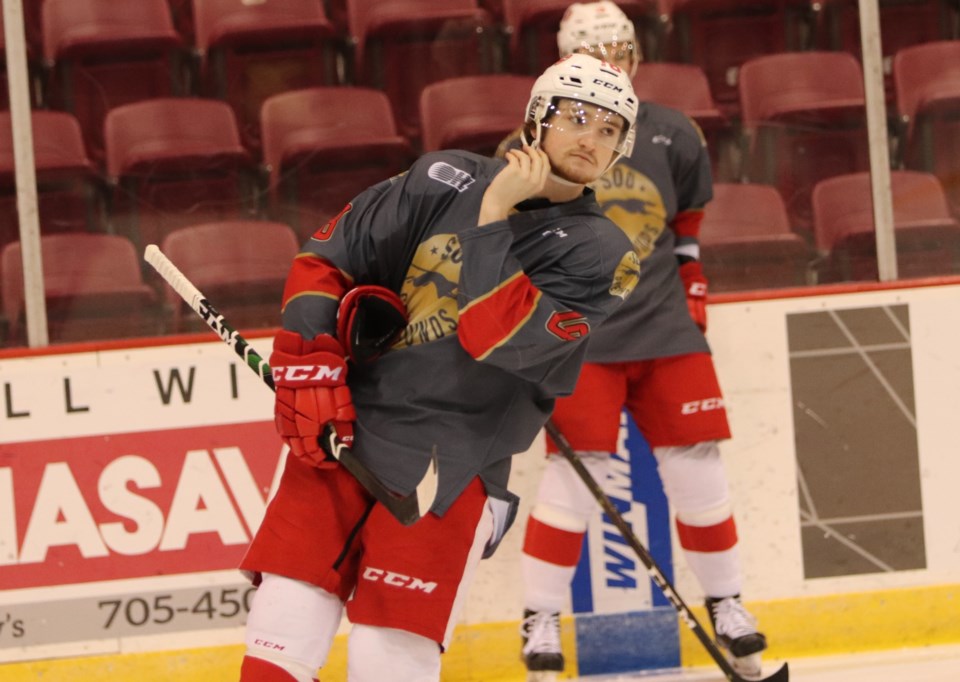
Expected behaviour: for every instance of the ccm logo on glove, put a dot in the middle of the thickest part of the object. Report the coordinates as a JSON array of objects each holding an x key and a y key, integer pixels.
[
  {"x": 317, "y": 375},
  {"x": 312, "y": 393},
  {"x": 695, "y": 285}
]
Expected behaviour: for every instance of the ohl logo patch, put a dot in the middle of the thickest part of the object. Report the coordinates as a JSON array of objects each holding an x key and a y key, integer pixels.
[{"x": 450, "y": 175}]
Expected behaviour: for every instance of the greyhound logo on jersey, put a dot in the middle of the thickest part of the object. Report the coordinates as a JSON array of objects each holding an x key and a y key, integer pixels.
[
  {"x": 626, "y": 276},
  {"x": 633, "y": 202},
  {"x": 450, "y": 175},
  {"x": 430, "y": 291}
]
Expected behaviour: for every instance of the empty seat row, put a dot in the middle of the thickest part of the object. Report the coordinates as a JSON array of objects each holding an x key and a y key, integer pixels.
[
  {"x": 97, "y": 54},
  {"x": 93, "y": 288},
  {"x": 170, "y": 162},
  {"x": 96, "y": 289},
  {"x": 176, "y": 161},
  {"x": 747, "y": 241},
  {"x": 720, "y": 35}
]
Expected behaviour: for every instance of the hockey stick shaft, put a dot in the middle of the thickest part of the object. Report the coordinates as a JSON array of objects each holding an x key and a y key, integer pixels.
[
  {"x": 198, "y": 302},
  {"x": 654, "y": 570},
  {"x": 407, "y": 509}
]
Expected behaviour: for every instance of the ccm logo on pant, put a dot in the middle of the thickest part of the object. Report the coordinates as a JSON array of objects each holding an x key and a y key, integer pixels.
[
  {"x": 705, "y": 405},
  {"x": 397, "y": 580}
]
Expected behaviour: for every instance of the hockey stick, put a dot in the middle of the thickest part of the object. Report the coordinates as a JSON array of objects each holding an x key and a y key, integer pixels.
[
  {"x": 407, "y": 510},
  {"x": 655, "y": 572}
]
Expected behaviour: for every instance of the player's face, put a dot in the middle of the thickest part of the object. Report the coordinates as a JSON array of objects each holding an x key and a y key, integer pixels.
[
  {"x": 623, "y": 55},
  {"x": 581, "y": 138}
]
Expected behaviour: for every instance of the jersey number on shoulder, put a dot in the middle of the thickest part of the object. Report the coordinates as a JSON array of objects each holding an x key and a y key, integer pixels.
[{"x": 325, "y": 232}]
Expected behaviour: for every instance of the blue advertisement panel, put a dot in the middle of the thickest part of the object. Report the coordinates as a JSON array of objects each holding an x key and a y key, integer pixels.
[{"x": 623, "y": 620}]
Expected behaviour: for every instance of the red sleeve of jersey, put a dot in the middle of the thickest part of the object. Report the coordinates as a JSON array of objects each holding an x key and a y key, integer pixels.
[
  {"x": 491, "y": 320},
  {"x": 315, "y": 276},
  {"x": 687, "y": 223}
]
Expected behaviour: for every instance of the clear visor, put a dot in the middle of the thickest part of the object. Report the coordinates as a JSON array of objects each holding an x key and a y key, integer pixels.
[{"x": 573, "y": 117}]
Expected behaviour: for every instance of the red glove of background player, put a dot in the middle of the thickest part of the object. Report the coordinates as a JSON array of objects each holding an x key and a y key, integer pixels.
[
  {"x": 695, "y": 286},
  {"x": 312, "y": 391}
]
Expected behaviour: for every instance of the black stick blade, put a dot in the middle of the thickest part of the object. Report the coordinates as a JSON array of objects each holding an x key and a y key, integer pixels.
[
  {"x": 407, "y": 510},
  {"x": 782, "y": 675}
]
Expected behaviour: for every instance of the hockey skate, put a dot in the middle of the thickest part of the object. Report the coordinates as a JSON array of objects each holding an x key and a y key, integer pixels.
[
  {"x": 540, "y": 631},
  {"x": 736, "y": 633}
]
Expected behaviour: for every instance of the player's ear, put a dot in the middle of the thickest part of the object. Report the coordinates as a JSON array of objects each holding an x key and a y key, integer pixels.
[{"x": 530, "y": 133}]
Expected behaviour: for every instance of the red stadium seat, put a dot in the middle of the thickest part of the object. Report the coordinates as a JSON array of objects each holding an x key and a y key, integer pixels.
[
  {"x": 746, "y": 241},
  {"x": 685, "y": 87},
  {"x": 927, "y": 86},
  {"x": 182, "y": 11},
  {"x": 473, "y": 112},
  {"x": 927, "y": 235},
  {"x": 323, "y": 146},
  {"x": 495, "y": 7},
  {"x": 720, "y": 35},
  {"x": 800, "y": 126},
  {"x": 175, "y": 162},
  {"x": 105, "y": 53},
  {"x": 337, "y": 14},
  {"x": 93, "y": 287},
  {"x": 32, "y": 26},
  {"x": 31, "y": 11},
  {"x": 532, "y": 27},
  {"x": 241, "y": 265},
  {"x": 252, "y": 50},
  {"x": 69, "y": 194},
  {"x": 902, "y": 23},
  {"x": 401, "y": 47}
]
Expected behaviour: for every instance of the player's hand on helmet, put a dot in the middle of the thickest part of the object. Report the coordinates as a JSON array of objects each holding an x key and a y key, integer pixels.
[
  {"x": 695, "y": 286},
  {"x": 524, "y": 177},
  {"x": 312, "y": 392}
]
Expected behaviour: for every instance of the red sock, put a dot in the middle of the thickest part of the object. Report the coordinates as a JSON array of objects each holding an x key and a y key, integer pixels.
[
  {"x": 553, "y": 545},
  {"x": 259, "y": 670}
]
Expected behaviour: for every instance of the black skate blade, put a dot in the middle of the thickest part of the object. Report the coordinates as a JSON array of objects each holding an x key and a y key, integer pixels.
[{"x": 782, "y": 675}]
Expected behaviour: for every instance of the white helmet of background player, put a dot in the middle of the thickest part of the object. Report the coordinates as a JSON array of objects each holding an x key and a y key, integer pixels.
[
  {"x": 601, "y": 29},
  {"x": 582, "y": 78}
]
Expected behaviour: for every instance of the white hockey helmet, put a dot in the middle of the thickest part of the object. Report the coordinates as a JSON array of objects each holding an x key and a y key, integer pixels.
[
  {"x": 582, "y": 78},
  {"x": 598, "y": 28}
]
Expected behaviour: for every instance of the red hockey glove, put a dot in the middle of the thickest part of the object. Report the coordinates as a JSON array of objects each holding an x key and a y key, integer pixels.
[
  {"x": 369, "y": 320},
  {"x": 695, "y": 285},
  {"x": 312, "y": 391}
]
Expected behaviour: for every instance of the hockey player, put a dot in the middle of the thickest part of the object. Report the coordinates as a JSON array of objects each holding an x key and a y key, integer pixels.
[
  {"x": 501, "y": 269},
  {"x": 652, "y": 358}
]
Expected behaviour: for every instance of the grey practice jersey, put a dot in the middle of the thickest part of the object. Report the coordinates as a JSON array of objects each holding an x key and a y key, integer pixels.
[
  {"x": 498, "y": 316},
  {"x": 667, "y": 175}
]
